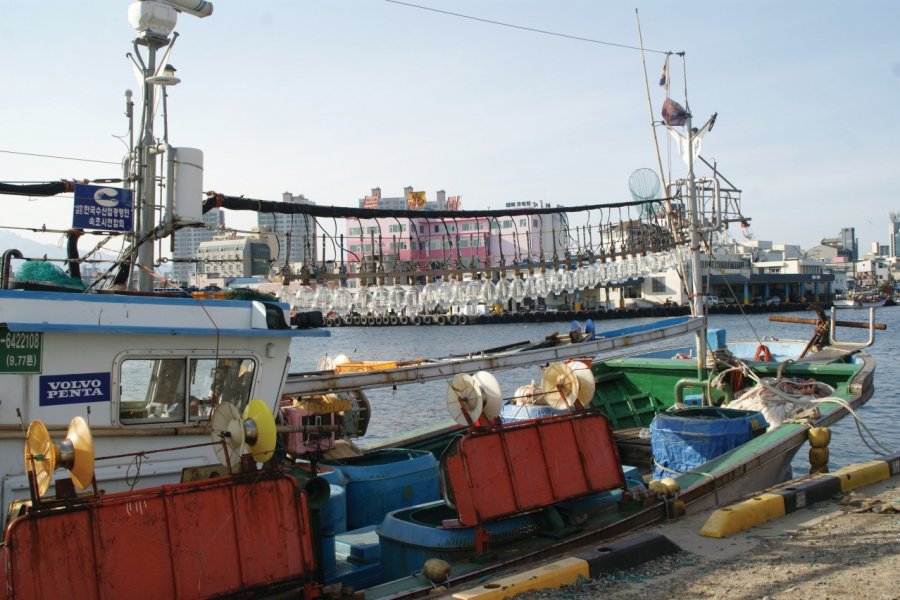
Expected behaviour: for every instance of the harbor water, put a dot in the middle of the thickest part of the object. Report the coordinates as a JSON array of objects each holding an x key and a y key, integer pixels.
[{"x": 409, "y": 407}]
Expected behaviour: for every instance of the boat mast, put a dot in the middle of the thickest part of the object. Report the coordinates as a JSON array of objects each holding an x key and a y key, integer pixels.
[
  {"x": 153, "y": 20},
  {"x": 146, "y": 185},
  {"x": 698, "y": 297}
]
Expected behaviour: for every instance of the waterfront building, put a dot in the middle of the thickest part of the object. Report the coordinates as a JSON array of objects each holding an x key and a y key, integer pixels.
[
  {"x": 477, "y": 244},
  {"x": 187, "y": 243},
  {"x": 894, "y": 234},
  {"x": 228, "y": 257},
  {"x": 747, "y": 272}
]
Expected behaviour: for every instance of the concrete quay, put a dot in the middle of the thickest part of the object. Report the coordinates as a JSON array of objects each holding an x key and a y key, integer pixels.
[{"x": 843, "y": 545}]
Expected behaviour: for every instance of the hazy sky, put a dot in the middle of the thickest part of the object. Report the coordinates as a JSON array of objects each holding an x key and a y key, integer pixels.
[{"x": 330, "y": 98}]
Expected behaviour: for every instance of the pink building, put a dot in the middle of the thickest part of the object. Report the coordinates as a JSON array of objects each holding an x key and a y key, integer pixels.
[{"x": 401, "y": 244}]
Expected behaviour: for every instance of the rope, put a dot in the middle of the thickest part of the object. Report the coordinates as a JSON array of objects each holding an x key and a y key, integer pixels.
[{"x": 785, "y": 397}]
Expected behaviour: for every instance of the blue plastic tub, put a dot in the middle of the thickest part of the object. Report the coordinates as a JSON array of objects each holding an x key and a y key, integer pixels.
[
  {"x": 385, "y": 480},
  {"x": 682, "y": 440},
  {"x": 410, "y": 536},
  {"x": 329, "y": 560},
  {"x": 512, "y": 413},
  {"x": 333, "y": 516}
]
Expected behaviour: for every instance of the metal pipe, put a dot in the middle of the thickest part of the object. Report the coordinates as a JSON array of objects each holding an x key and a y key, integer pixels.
[{"x": 7, "y": 261}]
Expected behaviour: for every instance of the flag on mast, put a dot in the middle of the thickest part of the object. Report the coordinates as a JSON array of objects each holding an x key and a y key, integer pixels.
[{"x": 664, "y": 76}]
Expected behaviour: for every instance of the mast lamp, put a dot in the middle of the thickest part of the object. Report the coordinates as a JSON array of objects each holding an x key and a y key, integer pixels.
[{"x": 157, "y": 18}]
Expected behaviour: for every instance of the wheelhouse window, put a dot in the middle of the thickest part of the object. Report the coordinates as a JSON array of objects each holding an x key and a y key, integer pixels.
[{"x": 181, "y": 390}]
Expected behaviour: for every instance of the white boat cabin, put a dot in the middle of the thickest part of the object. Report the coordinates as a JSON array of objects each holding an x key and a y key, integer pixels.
[{"x": 144, "y": 372}]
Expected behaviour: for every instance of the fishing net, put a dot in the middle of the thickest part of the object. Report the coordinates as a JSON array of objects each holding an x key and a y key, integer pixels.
[
  {"x": 46, "y": 273},
  {"x": 248, "y": 294}
]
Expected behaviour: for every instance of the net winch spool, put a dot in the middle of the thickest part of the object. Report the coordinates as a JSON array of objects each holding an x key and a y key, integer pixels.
[
  {"x": 326, "y": 363},
  {"x": 586, "y": 383},
  {"x": 490, "y": 391},
  {"x": 41, "y": 449},
  {"x": 259, "y": 429},
  {"x": 464, "y": 397},
  {"x": 227, "y": 434},
  {"x": 560, "y": 386},
  {"x": 75, "y": 453},
  {"x": 256, "y": 429}
]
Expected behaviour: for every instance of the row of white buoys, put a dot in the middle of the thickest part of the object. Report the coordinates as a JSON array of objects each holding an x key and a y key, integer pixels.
[
  {"x": 564, "y": 383},
  {"x": 470, "y": 396}
]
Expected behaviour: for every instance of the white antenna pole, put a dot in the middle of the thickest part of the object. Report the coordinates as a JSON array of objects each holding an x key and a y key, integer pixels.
[
  {"x": 698, "y": 303},
  {"x": 147, "y": 183}
]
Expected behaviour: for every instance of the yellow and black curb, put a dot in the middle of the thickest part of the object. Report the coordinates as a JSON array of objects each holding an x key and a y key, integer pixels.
[
  {"x": 786, "y": 499},
  {"x": 568, "y": 571}
]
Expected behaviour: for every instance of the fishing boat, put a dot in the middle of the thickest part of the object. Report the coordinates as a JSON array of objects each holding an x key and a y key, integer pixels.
[
  {"x": 169, "y": 448},
  {"x": 859, "y": 302}
]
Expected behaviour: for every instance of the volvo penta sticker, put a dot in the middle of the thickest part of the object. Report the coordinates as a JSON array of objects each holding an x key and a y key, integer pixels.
[{"x": 74, "y": 389}]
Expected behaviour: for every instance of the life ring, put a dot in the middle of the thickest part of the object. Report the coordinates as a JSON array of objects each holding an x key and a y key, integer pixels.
[
  {"x": 417, "y": 320},
  {"x": 463, "y": 319},
  {"x": 441, "y": 319},
  {"x": 453, "y": 319},
  {"x": 393, "y": 320},
  {"x": 764, "y": 353},
  {"x": 404, "y": 320}
]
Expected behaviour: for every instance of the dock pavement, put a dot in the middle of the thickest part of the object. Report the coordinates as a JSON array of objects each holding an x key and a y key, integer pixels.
[{"x": 843, "y": 545}]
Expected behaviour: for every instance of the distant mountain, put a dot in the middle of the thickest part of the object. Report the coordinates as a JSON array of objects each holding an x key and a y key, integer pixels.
[
  {"x": 30, "y": 248},
  {"x": 34, "y": 249}
]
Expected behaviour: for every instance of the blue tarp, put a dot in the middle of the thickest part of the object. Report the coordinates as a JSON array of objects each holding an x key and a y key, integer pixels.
[{"x": 683, "y": 440}]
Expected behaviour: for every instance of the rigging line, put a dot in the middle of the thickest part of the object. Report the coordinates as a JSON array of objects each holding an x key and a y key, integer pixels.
[
  {"x": 102, "y": 162},
  {"x": 523, "y": 28}
]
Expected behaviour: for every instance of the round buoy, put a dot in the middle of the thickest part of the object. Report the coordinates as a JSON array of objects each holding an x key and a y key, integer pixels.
[
  {"x": 819, "y": 437},
  {"x": 436, "y": 570},
  {"x": 657, "y": 488},
  {"x": 818, "y": 457},
  {"x": 672, "y": 487}
]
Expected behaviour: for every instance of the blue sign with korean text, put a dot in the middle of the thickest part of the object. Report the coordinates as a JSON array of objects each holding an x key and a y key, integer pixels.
[
  {"x": 74, "y": 389},
  {"x": 103, "y": 208}
]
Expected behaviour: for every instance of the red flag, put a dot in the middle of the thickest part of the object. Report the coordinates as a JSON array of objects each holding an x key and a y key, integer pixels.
[{"x": 673, "y": 114}]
